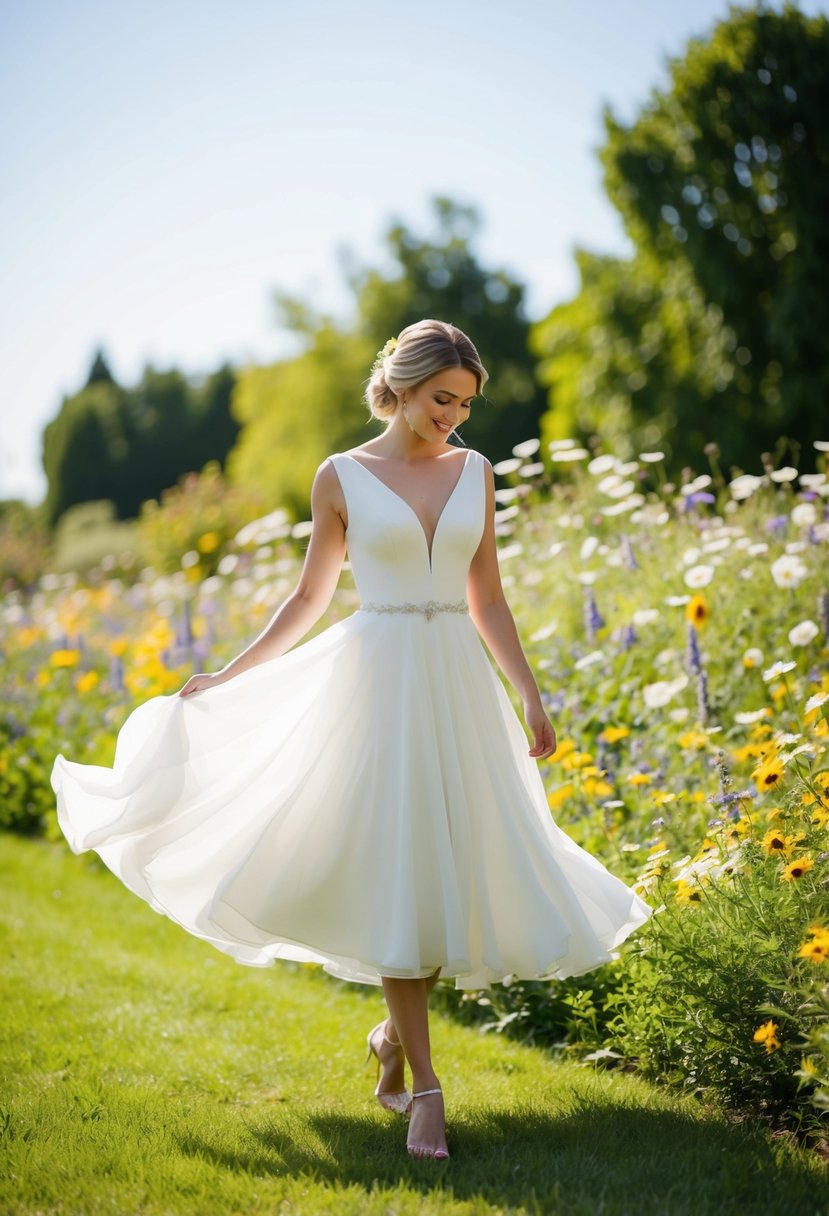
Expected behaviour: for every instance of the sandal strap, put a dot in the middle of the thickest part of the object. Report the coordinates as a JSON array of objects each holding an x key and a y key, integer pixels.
[{"x": 422, "y": 1093}]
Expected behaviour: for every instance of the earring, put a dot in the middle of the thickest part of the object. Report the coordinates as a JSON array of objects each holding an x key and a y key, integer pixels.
[{"x": 406, "y": 416}]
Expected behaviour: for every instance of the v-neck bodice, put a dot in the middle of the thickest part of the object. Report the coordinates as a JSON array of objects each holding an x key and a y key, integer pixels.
[{"x": 387, "y": 544}]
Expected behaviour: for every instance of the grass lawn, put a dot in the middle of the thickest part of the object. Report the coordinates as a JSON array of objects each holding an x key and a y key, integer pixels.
[{"x": 145, "y": 1072}]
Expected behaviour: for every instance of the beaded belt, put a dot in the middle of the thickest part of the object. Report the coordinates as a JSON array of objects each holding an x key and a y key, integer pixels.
[{"x": 427, "y": 607}]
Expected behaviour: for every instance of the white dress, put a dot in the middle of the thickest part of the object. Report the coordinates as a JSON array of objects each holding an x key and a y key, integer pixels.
[{"x": 364, "y": 801}]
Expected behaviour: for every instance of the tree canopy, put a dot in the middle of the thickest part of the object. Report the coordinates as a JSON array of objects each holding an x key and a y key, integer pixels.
[
  {"x": 715, "y": 329},
  {"x": 298, "y": 410}
]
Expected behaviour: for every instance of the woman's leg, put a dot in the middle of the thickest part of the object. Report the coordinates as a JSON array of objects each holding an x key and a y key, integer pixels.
[{"x": 408, "y": 1006}]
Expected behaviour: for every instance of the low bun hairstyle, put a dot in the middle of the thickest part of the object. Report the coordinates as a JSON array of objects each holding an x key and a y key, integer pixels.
[{"x": 422, "y": 349}]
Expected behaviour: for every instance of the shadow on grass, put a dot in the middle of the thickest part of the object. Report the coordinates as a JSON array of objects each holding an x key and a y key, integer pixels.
[{"x": 595, "y": 1156}]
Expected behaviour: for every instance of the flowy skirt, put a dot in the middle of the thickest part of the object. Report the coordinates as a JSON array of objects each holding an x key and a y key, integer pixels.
[{"x": 364, "y": 801}]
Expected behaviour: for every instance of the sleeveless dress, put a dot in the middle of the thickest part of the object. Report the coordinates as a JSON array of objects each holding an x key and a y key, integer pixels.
[{"x": 364, "y": 801}]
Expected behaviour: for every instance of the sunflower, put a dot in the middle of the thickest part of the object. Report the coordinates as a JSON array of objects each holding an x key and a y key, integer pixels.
[{"x": 796, "y": 869}]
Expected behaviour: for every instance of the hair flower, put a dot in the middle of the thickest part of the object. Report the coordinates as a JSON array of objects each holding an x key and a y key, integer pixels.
[{"x": 383, "y": 354}]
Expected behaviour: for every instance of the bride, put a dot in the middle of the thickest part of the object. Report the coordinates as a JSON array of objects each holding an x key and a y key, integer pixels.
[{"x": 369, "y": 800}]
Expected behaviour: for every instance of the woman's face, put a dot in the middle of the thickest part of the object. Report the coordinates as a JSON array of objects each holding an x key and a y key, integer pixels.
[{"x": 441, "y": 403}]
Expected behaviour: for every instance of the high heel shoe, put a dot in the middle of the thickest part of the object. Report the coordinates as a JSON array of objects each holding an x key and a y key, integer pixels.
[
  {"x": 401, "y": 1103},
  {"x": 423, "y": 1150}
]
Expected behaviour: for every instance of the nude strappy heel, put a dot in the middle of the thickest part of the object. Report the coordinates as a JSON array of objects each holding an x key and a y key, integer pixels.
[
  {"x": 423, "y": 1150},
  {"x": 401, "y": 1103}
]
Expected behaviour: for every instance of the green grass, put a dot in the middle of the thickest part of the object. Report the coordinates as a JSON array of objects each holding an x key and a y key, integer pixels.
[{"x": 145, "y": 1072}]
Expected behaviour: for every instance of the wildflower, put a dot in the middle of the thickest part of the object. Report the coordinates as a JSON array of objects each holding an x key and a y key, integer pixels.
[
  {"x": 611, "y": 734},
  {"x": 640, "y": 778},
  {"x": 768, "y": 774},
  {"x": 788, "y": 570},
  {"x": 662, "y": 691},
  {"x": 87, "y": 680},
  {"x": 687, "y": 894},
  {"x": 820, "y": 698},
  {"x": 593, "y": 621},
  {"x": 555, "y": 798},
  {"x": 65, "y": 658},
  {"x": 743, "y": 487},
  {"x": 208, "y": 542},
  {"x": 775, "y": 841},
  {"x": 693, "y": 739},
  {"x": 777, "y": 669},
  {"x": 565, "y": 746},
  {"x": 767, "y": 1035},
  {"x": 787, "y": 473},
  {"x": 698, "y": 576},
  {"x": 816, "y": 948},
  {"x": 696, "y": 610},
  {"x": 796, "y": 869},
  {"x": 753, "y": 657},
  {"x": 804, "y": 633}
]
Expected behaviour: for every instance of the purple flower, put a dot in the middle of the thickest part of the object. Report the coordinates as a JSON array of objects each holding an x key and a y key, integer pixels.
[
  {"x": 778, "y": 523},
  {"x": 592, "y": 619}
]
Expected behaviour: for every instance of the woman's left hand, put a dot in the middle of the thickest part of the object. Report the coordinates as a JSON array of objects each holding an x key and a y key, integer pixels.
[{"x": 544, "y": 735}]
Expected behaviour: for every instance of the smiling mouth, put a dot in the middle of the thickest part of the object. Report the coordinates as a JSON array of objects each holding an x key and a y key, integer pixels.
[{"x": 442, "y": 426}]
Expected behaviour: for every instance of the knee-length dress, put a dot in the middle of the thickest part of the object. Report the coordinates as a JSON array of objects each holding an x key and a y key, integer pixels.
[{"x": 364, "y": 801}]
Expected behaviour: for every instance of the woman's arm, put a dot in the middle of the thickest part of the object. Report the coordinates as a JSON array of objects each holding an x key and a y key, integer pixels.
[
  {"x": 491, "y": 615},
  {"x": 313, "y": 592}
]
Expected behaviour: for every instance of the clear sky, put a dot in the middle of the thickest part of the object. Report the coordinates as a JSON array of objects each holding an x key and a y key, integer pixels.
[{"x": 165, "y": 166}]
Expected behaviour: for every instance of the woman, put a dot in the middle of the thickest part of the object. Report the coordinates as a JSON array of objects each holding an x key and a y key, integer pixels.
[{"x": 368, "y": 800}]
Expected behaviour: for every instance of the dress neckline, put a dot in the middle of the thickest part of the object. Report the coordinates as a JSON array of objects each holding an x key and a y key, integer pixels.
[{"x": 429, "y": 546}]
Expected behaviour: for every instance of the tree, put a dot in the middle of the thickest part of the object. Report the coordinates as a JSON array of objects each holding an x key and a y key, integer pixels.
[
  {"x": 296, "y": 411},
  {"x": 128, "y": 445},
  {"x": 722, "y": 184}
]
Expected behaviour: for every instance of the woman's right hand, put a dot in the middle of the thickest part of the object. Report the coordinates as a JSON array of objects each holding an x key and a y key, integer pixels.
[{"x": 203, "y": 680}]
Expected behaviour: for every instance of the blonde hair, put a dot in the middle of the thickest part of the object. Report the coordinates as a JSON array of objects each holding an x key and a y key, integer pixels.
[{"x": 422, "y": 350}]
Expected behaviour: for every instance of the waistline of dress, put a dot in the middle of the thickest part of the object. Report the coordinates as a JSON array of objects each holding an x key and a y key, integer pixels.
[{"x": 427, "y": 608}]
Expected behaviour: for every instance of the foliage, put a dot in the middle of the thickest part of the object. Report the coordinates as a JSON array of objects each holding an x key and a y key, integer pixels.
[
  {"x": 717, "y": 323},
  {"x": 89, "y": 538},
  {"x": 295, "y": 412},
  {"x": 194, "y": 522},
  {"x": 679, "y": 636},
  {"x": 124, "y": 445},
  {"x": 24, "y": 544}
]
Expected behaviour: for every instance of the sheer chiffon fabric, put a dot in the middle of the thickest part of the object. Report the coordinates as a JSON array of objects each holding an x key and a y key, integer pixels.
[{"x": 365, "y": 801}]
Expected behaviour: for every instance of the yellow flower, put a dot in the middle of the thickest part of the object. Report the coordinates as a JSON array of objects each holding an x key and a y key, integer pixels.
[
  {"x": 686, "y": 894},
  {"x": 612, "y": 734},
  {"x": 208, "y": 542},
  {"x": 640, "y": 778},
  {"x": 816, "y": 948},
  {"x": 776, "y": 841},
  {"x": 660, "y": 797},
  {"x": 597, "y": 789},
  {"x": 767, "y": 1035},
  {"x": 118, "y": 646},
  {"x": 564, "y": 748},
  {"x": 693, "y": 738},
  {"x": 65, "y": 658},
  {"x": 768, "y": 774},
  {"x": 556, "y": 797},
  {"x": 822, "y": 779},
  {"x": 576, "y": 759},
  {"x": 86, "y": 680},
  {"x": 796, "y": 869},
  {"x": 696, "y": 609},
  {"x": 820, "y": 816}
]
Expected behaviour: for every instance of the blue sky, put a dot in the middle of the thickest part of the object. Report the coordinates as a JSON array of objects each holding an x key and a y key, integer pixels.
[{"x": 166, "y": 165}]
